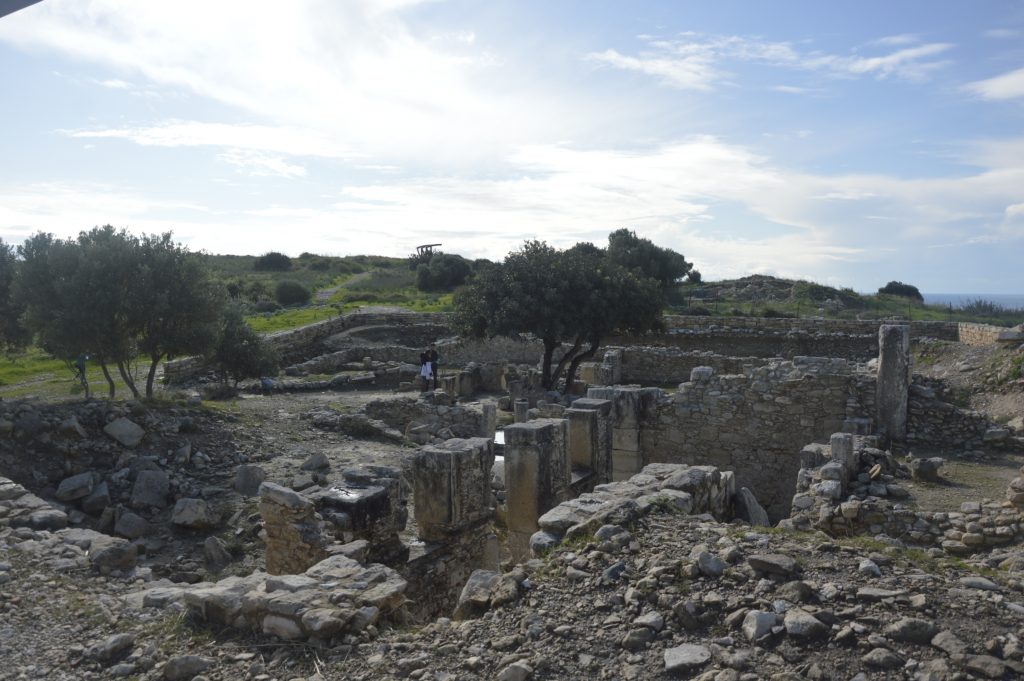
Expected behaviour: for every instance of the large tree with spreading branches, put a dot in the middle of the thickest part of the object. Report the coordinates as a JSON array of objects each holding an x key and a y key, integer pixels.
[{"x": 570, "y": 299}]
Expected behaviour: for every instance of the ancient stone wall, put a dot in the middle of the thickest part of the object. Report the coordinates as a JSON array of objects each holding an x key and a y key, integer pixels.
[
  {"x": 919, "y": 329},
  {"x": 653, "y": 365},
  {"x": 298, "y": 345},
  {"x": 849, "y": 487},
  {"x": 685, "y": 489},
  {"x": 753, "y": 423},
  {"x": 986, "y": 334}
]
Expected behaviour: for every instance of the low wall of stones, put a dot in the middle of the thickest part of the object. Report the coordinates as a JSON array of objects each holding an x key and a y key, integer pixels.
[
  {"x": 754, "y": 342},
  {"x": 681, "y": 488},
  {"x": 659, "y": 365},
  {"x": 849, "y": 487},
  {"x": 812, "y": 325},
  {"x": 751, "y": 423},
  {"x": 298, "y": 345},
  {"x": 986, "y": 334}
]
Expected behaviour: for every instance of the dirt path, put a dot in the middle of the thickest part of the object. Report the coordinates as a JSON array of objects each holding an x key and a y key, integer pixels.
[
  {"x": 281, "y": 441},
  {"x": 966, "y": 481}
]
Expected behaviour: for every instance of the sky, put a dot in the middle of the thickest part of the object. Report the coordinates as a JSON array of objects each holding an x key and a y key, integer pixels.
[{"x": 846, "y": 143}]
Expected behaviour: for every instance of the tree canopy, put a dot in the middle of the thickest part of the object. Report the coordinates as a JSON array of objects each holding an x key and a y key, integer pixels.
[
  {"x": 12, "y": 334},
  {"x": 898, "y": 288},
  {"x": 570, "y": 299},
  {"x": 239, "y": 351},
  {"x": 112, "y": 295}
]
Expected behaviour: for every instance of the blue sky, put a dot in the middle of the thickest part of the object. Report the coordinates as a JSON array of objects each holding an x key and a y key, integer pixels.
[{"x": 849, "y": 143}]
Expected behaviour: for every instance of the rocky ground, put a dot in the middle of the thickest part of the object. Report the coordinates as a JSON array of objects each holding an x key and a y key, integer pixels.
[
  {"x": 985, "y": 378},
  {"x": 673, "y": 596}
]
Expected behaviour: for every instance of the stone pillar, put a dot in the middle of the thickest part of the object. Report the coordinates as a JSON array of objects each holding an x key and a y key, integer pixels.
[
  {"x": 893, "y": 380},
  {"x": 522, "y": 410},
  {"x": 369, "y": 503},
  {"x": 489, "y": 420},
  {"x": 536, "y": 476},
  {"x": 629, "y": 403},
  {"x": 842, "y": 453},
  {"x": 294, "y": 531},
  {"x": 452, "y": 487},
  {"x": 590, "y": 436}
]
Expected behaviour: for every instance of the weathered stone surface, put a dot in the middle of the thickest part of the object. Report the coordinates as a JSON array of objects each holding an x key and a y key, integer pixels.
[
  {"x": 185, "y": 667},
  {"x": 150, "y": 490},
  {"x": 193, "y": 514},
  {"x": 98, "y": 499},
  {"x": 748, "y": 508},
  {"x": 912, "y": 630},
  {"x": 685, "y": 658},
  {"x": 774, "y": 563},
  {"x": 757, "y": 624},
  {"x": 476, "y": 594},
  {"x": 125, "y": 431},
  {"x": 112, "y": 648},
  {"x": 452, "y": 486},
  {"x": 893, "y": 387},
  {"x": 882, "y": 658},
  {"x": 949, "y": 643},
  {"x": 132, "y": 526},
  {"x": 248, "y": 478},
  {"x": 111, "y": 553},
  {"x": 801, "y": 624},
  {"x": 75, "y": 487}
]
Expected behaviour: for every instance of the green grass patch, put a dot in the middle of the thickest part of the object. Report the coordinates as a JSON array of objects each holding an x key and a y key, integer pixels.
[
  {"x": 291, "y": 318},
  {"x": 35, "y": 373}
]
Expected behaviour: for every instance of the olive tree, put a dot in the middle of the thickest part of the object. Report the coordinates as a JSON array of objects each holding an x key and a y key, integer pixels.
[{"x": 569, "y": 299}]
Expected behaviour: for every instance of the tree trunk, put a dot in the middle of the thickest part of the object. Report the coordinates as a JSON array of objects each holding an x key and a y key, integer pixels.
[
  {"x": 580, "y": 359},
  {"x": 110, "y": 381},
  {"x": 563, "y": 360},
  {"x": 155, "y": 361},
  {"x": 545, "y": 370},
  {"x": 127, "y": 378}
]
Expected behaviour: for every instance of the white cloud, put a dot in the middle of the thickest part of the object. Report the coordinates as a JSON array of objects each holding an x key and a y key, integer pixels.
[
  {"x": 906, "y": 63},
  {"x": 261, "y": 165},
  {"x": 692, "y": 61},
  {"x": 1002, "y": 33},
  {"x": 688, "y": 72},
  {"x": 896, "y": 40},
  {"x": 1007, "y": 86},
  {"x": 727, "y": 208},
  {"x": 353, "y": 72}
]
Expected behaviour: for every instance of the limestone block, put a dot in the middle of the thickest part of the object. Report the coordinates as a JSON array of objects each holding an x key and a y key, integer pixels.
[
  {"x": 125, "y": 431},
  {"x": 748, "y": 508},
  {"x": 193, "y": 514},
  {"x": 248, "y": 478},
  {"x": 75, "y": 487},
  {"x": 536, "y": 472},
  {"x": 452, "y": 486},
  {"x": 150, "y": 489},
  {"x": 841, "y": 445},
  {"x": 369, "y": 503}
]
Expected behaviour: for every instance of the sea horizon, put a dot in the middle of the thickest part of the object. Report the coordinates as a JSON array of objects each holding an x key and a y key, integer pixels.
[{"x": 1007, "y": 300}]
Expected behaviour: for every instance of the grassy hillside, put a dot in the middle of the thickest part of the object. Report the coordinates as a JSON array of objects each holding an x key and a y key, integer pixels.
[{"x": 764, "y": 296}]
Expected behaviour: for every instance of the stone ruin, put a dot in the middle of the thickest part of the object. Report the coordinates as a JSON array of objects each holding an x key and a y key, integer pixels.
[{"x": 730, "y": 441}]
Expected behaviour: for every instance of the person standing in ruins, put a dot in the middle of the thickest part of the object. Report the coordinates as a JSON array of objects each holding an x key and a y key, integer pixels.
[
  {"x": 425, "y": 369},
  {"x": 435, "y": 361}
]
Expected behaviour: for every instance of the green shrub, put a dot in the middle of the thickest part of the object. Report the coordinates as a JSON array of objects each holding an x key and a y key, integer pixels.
[
  {"x": 291, "y": 293},
  {"x": 898, "y": 288},
  {"x": 272, "y": 262}
]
